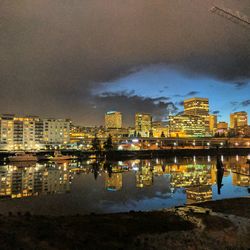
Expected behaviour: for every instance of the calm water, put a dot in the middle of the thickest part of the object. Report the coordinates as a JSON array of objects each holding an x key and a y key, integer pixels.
[{"x": 103, "y": 187}]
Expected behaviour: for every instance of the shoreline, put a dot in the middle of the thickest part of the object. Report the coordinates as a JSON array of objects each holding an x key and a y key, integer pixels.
[
  {"x": 221, "y": 224},
  {"x": 143, "y": 154}
]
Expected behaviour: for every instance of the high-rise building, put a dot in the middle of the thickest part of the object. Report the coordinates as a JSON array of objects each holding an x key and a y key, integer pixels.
[
  {"x": 113, "y": 119},
  {"x": 238, "y": 120},
  {"x": 143, "y": 124},
  {"x": 196, "y": 106},
  {"x": 212, "y": 123},
  {"x": 187, "y": 126}
]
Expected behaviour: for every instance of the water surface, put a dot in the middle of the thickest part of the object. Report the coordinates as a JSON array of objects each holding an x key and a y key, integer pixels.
[{"x": 106, "y": 187}]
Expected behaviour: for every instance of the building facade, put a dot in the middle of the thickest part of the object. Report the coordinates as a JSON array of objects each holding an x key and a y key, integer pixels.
[
  {"x": 196, "y": 106},
  {"x": 222, "y": 128},
  {"x": 32, "y": 132},
  {"x": 238, "y": 120},
  {"x": 212, "y": 123},
  {"x": 56, "y": 131},
  {"x": 186, "y": 126},
  {"x": 143, "y": 124},
  {"x": 113, "y": 120}
]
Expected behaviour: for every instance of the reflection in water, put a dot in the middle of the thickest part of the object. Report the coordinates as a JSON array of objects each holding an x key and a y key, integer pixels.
[
  {"x": 113, "y": 182},
  {"x": 220, "y": 172},
  {"x": 27, "y": 180},
  {"x": 170, "y": 182},
  {"x": 198, "y": 194},
  {"x": 144, "y": 175}
]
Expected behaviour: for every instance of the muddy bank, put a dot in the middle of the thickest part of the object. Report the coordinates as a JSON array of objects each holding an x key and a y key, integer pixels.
[{"x": 192, "y": 227}]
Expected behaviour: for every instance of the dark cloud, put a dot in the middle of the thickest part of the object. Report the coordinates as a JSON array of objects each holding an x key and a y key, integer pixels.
[
  {"x": 54, "y": 53},
  {"x": 189, "y": 94},
  {"x": 192, "y": 93},
  {"x": 129, "y": 103},
  {"x": 245, "y": 103},
  {"x": 240, "y": 85},
  {"x": 238, "y": 105},
  {"x": 160, "y": 99}
]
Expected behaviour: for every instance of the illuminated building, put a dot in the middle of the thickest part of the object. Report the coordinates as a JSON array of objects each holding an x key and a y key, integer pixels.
[
  {"x": 186, "y": 126},
  {"x": 78, "y": 133},
  {"x": 21, "y": 132},
  {"x": 28, "y": 132},
  {"x": 238, "y": 119},
  {"x": 222, "y": 125},
  {"x": 143, "y": 124},
  {"x": 117, "y": 133},
  {"x": 7, "y": 131},
  {"x": 199, "y": 107},
  {"x": 159, "y": 129},
  {"x": 56, "y": 131},
  {"x": 113, "y": 120},
  {"x": 196, "y": 106},
  {"x": 239, "y": 123},
  {"x": 32, "y": 132},
  {"x": 212, "y": 123},
  {"x": 113, "y": 182},
  {"x": 222, "y": 128}
]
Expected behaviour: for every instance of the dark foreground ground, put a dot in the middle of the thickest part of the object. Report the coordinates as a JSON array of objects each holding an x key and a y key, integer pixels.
[{"x": 220, "y": 225}]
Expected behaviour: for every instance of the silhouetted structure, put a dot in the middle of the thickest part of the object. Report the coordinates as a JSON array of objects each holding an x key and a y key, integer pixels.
[{"x": 220, "y": 172}]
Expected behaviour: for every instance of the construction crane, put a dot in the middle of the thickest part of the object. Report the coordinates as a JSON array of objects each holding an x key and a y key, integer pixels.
[{"x": 235, "y": 17}]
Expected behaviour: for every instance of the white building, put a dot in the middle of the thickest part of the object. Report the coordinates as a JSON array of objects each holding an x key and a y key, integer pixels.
[
  {"x": 56, "y": 131},
  {"x": 7, "y": 131},
  {"x": 32, "y": 132}
]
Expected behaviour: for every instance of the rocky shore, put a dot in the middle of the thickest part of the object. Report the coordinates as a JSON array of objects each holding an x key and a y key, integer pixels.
[{"x": 223, "y": 224}]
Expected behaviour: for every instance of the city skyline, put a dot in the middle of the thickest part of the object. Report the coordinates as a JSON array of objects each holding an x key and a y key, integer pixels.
[
  {"x": 80, "y": 59},
  {"x": 124, "y": 122},
  {"x": 132, "y": 123}
]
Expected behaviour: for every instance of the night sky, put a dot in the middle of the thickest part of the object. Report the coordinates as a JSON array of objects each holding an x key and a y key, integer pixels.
[{"x": 79, "y": 58}]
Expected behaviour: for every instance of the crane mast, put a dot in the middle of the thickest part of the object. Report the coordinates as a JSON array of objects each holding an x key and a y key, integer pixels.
[{"x": 235, "y": 17}]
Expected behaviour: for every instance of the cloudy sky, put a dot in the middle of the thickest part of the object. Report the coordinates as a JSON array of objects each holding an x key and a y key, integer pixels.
[{"x": 81, "y": 58}]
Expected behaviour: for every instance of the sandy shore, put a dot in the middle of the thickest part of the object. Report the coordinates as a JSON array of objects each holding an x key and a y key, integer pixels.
[{"x": 223, "y": 224}]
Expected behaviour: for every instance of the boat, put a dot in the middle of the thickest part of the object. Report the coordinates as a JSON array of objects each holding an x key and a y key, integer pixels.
[
  {"x": 58, "y": 156},
  {"x": 22, "y": 156}
]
